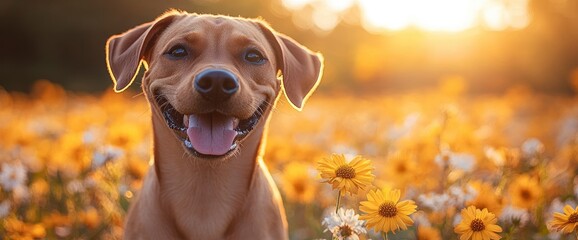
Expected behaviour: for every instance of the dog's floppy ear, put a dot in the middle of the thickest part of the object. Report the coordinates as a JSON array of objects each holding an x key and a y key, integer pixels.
[
  {"x": 301, "y": 68},
  {"x": 125, "y": 52}
]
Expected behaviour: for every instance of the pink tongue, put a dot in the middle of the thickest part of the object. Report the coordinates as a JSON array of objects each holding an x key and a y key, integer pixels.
[{"x": 211, "y": 134}]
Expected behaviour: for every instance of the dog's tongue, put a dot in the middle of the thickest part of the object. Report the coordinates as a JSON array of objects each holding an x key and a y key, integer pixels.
[{"x": 211, "y": 134}]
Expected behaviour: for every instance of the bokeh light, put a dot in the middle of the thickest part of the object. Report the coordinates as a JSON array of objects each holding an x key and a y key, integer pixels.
[{"x": 441, "y": 15}]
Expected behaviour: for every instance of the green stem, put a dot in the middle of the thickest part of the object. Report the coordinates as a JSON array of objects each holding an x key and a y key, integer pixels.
[
  {"x": 338, "y": 201},
  {"x": 384, "y": 235}
]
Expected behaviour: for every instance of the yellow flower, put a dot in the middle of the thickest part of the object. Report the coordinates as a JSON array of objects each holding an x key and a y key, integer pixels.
[
  {"x": 489, "y": 199},
  {"x": 56, "y": 219},
  {"x": 347, "y": 177},
  {"x": 401, "y": 168},
  {"x": 428, "y": 233},
  {"x": 125, "y": 134},
  {"x": 17, "y": 229},
  {"x": 137, "y": 168},
  {"x": 567, "y": 221},
  {"x": 478, "y": 224},
  {"x": 525, "y": 192},
  {"x": 90, "y": 218},
  {"x": 39, "y": 188},
  {"x": 384, "y": 213},
  {"x": 297, "y": 183},
  {"x": 38, "y": 231}
]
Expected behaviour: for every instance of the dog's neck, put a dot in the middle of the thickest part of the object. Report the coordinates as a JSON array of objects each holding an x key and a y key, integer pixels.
[{"x": 213, "y": 190}]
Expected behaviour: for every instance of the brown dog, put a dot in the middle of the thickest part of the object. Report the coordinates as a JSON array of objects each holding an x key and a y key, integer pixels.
[{"x": 211, "y": 82}]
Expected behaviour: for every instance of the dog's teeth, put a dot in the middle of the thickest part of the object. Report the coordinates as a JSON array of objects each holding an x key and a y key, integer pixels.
[
  {"x": 186, "y": 120},
  {"x": 192, "y": 121},
  {"x": 233, "y": 146},
  {"x": 188, "y": 143}
]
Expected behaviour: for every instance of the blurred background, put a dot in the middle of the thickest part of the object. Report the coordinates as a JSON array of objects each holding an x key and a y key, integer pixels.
[{"x": 370, "y": 46}]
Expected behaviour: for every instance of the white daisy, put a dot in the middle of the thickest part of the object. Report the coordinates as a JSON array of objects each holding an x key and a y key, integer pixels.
[
  {"x": 436, "y": 202},
  {"x": 399, "y": 131},
  {"x": 106, "y": 154},
  {"x": 462, "y": 194},
  {"x": 495, "y": 156},
  {"x": 4, "y": 208},
  {"x": 532, "y": 147},
  {"x": 75, "y": 186},
  {"x": 344, "y": 225},
  {"x": 460, "y": 161},
  {"x": 514, "y": 215},
  {"x": 21, "y": 193},
  {"x": 12, "y": 176},
  {"x": 420, "y": 219}
]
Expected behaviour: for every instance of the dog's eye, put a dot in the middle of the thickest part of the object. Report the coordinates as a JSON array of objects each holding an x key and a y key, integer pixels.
[
  {"x": 254, "y": 56},
  {"x": 177, "y": 52}
]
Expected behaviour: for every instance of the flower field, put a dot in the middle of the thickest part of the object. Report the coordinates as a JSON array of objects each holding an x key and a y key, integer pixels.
[{"x": 440, "y": 164}]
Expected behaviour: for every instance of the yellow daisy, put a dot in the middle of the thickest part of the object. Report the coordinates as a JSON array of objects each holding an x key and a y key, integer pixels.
[
  {"x": 401, "y": 168},
  {"x": 489, "y": 199},
  {"x": 346, "y": 176},
  {"x": 297, "y": 183},
  {"x": 384, "y": 213},
  {"x": 565, "y": 222},
  {"x": 525, "y": 192},
  {"x": 428, "y": 233},
  {"x": 478, "y": 224}
]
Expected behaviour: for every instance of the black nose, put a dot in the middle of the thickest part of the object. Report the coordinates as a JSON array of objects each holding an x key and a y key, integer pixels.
[{"x": 216, "y": 84}]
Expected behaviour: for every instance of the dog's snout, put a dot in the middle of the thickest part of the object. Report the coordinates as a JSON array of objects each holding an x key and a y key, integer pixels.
[{"x": 216, "y": 84}]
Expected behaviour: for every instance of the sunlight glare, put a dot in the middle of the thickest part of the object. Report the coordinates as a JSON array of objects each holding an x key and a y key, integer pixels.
[
  {"x": 324, "y": 19},
  {"x": 338, "y": 5},
  {"x": 295, "y": 4},
  {"x": 428, "y": 15},
  {"x": 494, "y": 17},
  {"x": 388, "y": 14},
  {"x": 445, "y": 15},
  {"x": 519, "y": 17}
]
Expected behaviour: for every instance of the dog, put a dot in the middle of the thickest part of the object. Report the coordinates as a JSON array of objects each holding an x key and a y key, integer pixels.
[{"x": 211, "y": 82}]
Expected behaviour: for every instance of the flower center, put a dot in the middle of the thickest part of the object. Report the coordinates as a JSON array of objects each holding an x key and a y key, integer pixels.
[
  {"x": 477, "y": 225},
  {"x": 345, "y": 231},
  {"x": 387, "y": 209},
  {"x": 446, "y": 157},
  {"x": 526, "y": 194},
  {"x": 299, "y": 187},
  {"x": 401, "y": 168},
  {"x": 13, "y": 176},
  {"x": 573, "y": 218},
  {"x": 345, "y": 171}
]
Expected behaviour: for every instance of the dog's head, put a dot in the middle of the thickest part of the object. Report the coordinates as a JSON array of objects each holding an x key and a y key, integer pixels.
[{"x": 212, "y": 78}]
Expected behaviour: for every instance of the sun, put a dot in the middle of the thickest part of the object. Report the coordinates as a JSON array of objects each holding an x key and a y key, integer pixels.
[{"x": 427, "y": 15}]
